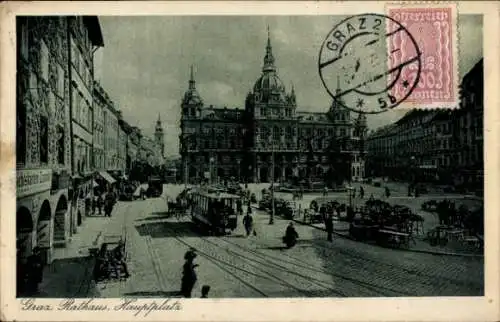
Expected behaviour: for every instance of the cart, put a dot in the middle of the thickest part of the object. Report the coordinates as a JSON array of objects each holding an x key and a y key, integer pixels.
[{"x": 111, "y": 259}]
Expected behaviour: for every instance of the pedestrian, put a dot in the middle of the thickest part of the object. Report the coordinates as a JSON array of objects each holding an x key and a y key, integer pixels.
[
  {"x": 248, "y": 223},
  {"x": 34, "y": 271},
  {"x": 322, "y": 212},
  {"x": 204, "y": 291},
  {"x": 93, "y": 204},
  {"x": 188, "y": 273},
  {"x": 239, "y": 207},
  {"x": 329, "y": 227},
  {"x": 325, "y": 191},
  {"x": 99, "y": 202},
  {"x": 361, "y": 192},
  {"x": 387, "y": 192}
]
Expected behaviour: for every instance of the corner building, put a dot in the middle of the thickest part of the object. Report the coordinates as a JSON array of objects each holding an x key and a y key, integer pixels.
[
  {"x": 54, "y": 67},
  {"x": 219, "y": 143}
]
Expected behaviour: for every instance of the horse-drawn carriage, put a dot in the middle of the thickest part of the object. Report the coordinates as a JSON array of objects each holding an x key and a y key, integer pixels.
[{"x": 177, "y": 208}]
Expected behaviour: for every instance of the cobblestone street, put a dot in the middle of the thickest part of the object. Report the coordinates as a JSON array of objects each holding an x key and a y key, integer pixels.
[{"x": 258, "y": 266}]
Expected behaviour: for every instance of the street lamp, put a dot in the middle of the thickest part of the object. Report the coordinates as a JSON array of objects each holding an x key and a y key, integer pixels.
[
  {"x": 271, "y": 218},
  {"x": 211, "y": 170},
  {"x": 239, "y": 170}
]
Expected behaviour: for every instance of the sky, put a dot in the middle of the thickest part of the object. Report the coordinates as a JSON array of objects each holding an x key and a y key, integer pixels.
[{"x": 144, "y": 65}]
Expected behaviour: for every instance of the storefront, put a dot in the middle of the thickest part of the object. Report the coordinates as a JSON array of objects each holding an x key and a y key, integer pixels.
[
  {"x": 105, "y": 180},
  {"x": 34, "y": 224},
  {"x": 61, "y": 182},
  {"x": 81, "y": 195}
]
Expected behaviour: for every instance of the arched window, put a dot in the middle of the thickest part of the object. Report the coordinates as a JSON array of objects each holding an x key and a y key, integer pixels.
[{"x": 276, "y": 133}]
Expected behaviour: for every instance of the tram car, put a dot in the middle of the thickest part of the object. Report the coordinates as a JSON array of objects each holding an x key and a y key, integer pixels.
[{"x": 214, "y": 212}]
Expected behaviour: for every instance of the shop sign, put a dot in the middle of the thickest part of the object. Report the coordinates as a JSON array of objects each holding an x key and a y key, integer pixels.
[
  {"x": 32, "y": 181},
  {"x": 60, "y": 181},
  {"x": 43, "y": 234}
]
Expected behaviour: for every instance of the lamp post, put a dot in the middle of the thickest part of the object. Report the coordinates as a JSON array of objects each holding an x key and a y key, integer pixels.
[
  {"x": 271, "y": 218},
  {"x": 211, "y": 170},
  {"x": 239, "y": 170}
]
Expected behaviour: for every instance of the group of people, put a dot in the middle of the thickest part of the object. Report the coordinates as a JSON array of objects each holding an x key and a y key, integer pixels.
[{"x": 104, "y": 202}]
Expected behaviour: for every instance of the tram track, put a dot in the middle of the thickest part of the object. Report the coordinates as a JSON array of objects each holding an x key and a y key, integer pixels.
[
  {"x": 260, "y": 264},
  {"x": 314, "y": 269},
  {"x": 421, "y": 276},
  {"x": 214, "y": 260},
  {"x": 263, "y": 266}
]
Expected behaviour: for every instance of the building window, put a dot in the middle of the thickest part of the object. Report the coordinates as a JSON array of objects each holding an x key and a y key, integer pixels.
[
  {"x": 44, "y": 61},
  {"x": 60, "y": 81},
  {"x": 44, "y": 139},
  {"x": 21, "y": 133},
  {"x": 24, "y": 41},
  {"x": 60, "y": 145}
]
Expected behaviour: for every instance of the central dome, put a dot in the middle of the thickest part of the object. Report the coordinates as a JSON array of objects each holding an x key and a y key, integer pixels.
[
  {"x": 192, "y": 97},
  {"x": 269, "y": 82}
]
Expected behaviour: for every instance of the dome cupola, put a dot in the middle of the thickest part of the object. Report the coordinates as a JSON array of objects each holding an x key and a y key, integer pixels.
[
  {"x": 191, "y": 96},
  {"x": 269, "y": 86}
]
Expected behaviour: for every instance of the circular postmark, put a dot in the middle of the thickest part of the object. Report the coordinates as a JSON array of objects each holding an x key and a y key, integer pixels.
[{"x": 369, "y": 63}]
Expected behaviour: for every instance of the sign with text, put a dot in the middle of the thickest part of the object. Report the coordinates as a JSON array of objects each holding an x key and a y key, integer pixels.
[
  {"x": 32, "y": 181},
  {"x": 43, "y": 234}
]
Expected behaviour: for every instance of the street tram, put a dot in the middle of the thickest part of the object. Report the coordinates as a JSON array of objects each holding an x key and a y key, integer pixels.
[{"x": 214, "y": 212}]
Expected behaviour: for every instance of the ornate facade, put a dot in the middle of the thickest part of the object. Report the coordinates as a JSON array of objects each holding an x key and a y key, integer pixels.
[
  {"x": 438, "y": 146},
  {"x": 111, "y": 117},
  {"x": 45, "y": 142},
  {"x": 221, "y": 143},
  {"x": 101, "y": 101}
]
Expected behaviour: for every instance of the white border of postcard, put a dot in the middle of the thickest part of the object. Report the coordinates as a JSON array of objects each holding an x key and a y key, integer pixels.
[{"x": 486, "y": 308}]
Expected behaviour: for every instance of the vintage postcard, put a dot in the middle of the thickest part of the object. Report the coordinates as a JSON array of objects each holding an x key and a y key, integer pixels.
[{"x": 249, "y": 161}]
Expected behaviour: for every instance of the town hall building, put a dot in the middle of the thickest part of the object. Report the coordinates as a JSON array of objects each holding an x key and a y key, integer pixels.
[{"x": 270, "y": 138}]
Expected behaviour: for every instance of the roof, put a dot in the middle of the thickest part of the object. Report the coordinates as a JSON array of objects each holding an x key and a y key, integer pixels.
[
  {"x": 94, "y": 28},
  {"x": 208, "y": 191},
  {"x": 315, "y": 117},
  {"x": 221, "y": 114},
  {"x": 443, "y": 115},
  {"x": 221, "y": 195},
  {"x": 425, "y": 115}
]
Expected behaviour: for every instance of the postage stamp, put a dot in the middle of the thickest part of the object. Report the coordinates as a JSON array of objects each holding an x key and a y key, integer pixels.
[
  {"x": 434, "y": 28},
  {"x": 355, "y": 52}
]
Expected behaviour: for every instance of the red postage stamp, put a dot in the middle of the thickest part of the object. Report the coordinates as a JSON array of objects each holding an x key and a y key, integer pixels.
[{"x": 434, "y": 30}]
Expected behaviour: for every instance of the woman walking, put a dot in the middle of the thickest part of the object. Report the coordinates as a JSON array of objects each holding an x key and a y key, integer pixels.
[{"x": 188, "y": 274}]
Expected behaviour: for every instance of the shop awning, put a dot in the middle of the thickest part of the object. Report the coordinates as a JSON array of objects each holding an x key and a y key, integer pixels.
[{"x": 106, "y": 176}]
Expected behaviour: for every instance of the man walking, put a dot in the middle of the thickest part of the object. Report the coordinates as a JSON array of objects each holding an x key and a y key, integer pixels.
[
  {"x": 248, "y": 223},
  {"x": 99, "y": 202},
  {"x": 329, "y": 227},
  {"x": 239, "y": 207},
  {"x": 34, "y": 271},
  {"x": 361, "y": 192}
]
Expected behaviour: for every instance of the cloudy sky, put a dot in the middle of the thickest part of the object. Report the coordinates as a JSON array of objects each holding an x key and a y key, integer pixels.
[{"x": 144, "y": 65}]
